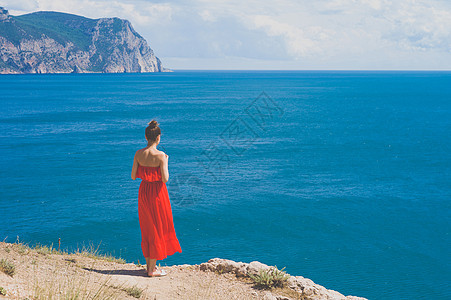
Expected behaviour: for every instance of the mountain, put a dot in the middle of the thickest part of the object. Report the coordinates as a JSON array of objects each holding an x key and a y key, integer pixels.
[{"x": 54, "y": 42}]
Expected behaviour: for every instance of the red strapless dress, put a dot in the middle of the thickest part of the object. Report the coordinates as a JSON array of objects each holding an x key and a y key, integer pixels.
[{"x": 158, "y": 239}]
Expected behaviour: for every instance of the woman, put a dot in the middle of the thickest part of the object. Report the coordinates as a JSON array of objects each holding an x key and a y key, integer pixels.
[{"x": 158, "y": 239}]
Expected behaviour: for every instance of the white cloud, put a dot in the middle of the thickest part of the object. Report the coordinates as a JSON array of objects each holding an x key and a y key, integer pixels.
[
  {"x": 140, "y": 11},
  {"x": 207, "y": 16},
  {"x": 299, "y": 42},
  {"x": 20, "y": 6},
  {"x": 420, "y": 26},
  {"x": 350, "y": 34}
]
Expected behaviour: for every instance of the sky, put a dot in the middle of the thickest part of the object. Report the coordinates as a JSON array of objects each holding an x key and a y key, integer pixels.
[{"x": 279, "y": 34}]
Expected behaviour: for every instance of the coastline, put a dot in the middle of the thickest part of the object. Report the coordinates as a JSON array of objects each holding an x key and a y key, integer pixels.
[{"x": 42, "y": 272}]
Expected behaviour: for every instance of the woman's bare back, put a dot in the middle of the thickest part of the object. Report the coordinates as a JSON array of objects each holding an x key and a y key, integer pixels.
[{"x": 149, "y": 157}]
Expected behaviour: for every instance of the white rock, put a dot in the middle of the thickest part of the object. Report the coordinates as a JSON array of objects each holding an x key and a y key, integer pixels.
[
  {"x": 307, "y": 289},
  {"x": 269, "y": 296},
  {"x": 255, "y": 266}
]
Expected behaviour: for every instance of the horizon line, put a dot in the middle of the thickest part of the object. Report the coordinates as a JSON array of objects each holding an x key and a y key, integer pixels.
[
  {"x": 327, "y": 70},
  {"x": 240, "y": 70}
]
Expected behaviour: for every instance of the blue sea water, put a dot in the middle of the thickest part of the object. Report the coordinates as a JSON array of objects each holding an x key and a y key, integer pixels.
[{"x": 341, "y": 177}]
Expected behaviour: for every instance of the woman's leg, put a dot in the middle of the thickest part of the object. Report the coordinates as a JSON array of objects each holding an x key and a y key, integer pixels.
[{"x": 150, "y": 265}]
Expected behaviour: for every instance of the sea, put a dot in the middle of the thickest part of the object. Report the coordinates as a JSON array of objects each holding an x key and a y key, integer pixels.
[{"x": 343, "y": 177}]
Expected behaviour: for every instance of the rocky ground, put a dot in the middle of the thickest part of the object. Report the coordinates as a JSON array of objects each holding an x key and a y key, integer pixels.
[{"x": 44, "y": 273}]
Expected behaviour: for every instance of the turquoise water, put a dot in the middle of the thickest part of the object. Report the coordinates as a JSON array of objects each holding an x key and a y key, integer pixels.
[{"x": 342, "y": 177}]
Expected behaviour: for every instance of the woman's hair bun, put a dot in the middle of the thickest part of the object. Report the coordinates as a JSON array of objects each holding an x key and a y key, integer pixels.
[
  {"x": 153, "y": 124},
  {"x": 152, "y": 131}
]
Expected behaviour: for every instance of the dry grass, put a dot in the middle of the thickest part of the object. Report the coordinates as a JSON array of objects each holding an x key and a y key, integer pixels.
[
  {"x": 7, "y": 267},
  {"x": 134, "y": 291},
  {"x": 90, "y": 251},
  {"x": 43, "y": 282},
  {"x": 93, "y": 252},
  {"x": 43, "y": 272},
  {"x": 270, "y": 278},
  {"x": 46, "y": 250},
  {"x": 282, "y": 291},
  {"x": 68, "y": 286}
]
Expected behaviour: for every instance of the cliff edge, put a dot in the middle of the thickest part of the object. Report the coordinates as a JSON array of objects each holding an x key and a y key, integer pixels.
[
  {"x": 54, "y": 42},
  {"x": 42, "y": 272}
]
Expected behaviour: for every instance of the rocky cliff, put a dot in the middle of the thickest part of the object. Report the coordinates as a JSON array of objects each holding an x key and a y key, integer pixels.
[{"x": 53, "y": 42}]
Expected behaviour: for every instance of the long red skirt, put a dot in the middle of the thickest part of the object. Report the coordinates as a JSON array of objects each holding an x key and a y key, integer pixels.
[{"x": 158, "y": 238}]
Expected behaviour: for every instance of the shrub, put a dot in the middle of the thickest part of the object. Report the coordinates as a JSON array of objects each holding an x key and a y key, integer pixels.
[
  {"x": 22, "y": 249},
  {"x": 7, "y": 267},
  {"x": 44, "y": 250},
  {"x": 134, "y": 291},
  {"x": 270, "y": 278}
]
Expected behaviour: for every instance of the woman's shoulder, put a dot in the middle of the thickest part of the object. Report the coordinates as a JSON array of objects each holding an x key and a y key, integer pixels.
[
  {"x": 161, "y": 153},
  {"x": 153, "y": 152},
  {"x": 140, "y": 150},
  {"x": 139, "y": 153},
  {"x": 143, "y": 156}
]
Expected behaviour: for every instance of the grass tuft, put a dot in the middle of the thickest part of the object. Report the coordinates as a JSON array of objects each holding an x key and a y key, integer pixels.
[
  {"x": 270, "y": 278},
  {"x": 7, "y": 267},
  {"x": 45, "y": 250},
  {"x": 134, "y": 291},
  {"x": 68, "y": 288},
  {"x": 2, "y": 291},
  {"x": 88, "y": 251},
  {"x": 21, "y": 248},
  {"x": 93, "y": 252}
]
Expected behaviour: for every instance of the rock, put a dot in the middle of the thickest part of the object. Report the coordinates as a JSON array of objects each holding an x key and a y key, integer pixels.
[
  {"x": 66, "y": 43},
  {"x": 255, "y": 266},
  {"x": 225, "y": 266},
  {"x": 229, "y": 266},
  {"x": 77, "y": 70},
  {"x": 4, "y": 15},
  {"x": 269, "y": 296},
  {"x": 310, "y": 290},
  {"x": 306, "y": 288}
]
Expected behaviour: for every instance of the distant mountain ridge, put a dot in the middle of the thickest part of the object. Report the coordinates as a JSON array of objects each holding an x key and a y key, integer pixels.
[{"x": 54, "y": 42}]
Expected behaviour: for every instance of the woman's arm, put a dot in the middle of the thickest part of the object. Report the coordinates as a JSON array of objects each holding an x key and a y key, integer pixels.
[
  {"x": 135, "y": 166},
  {"x": 164, "y": 167}
]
